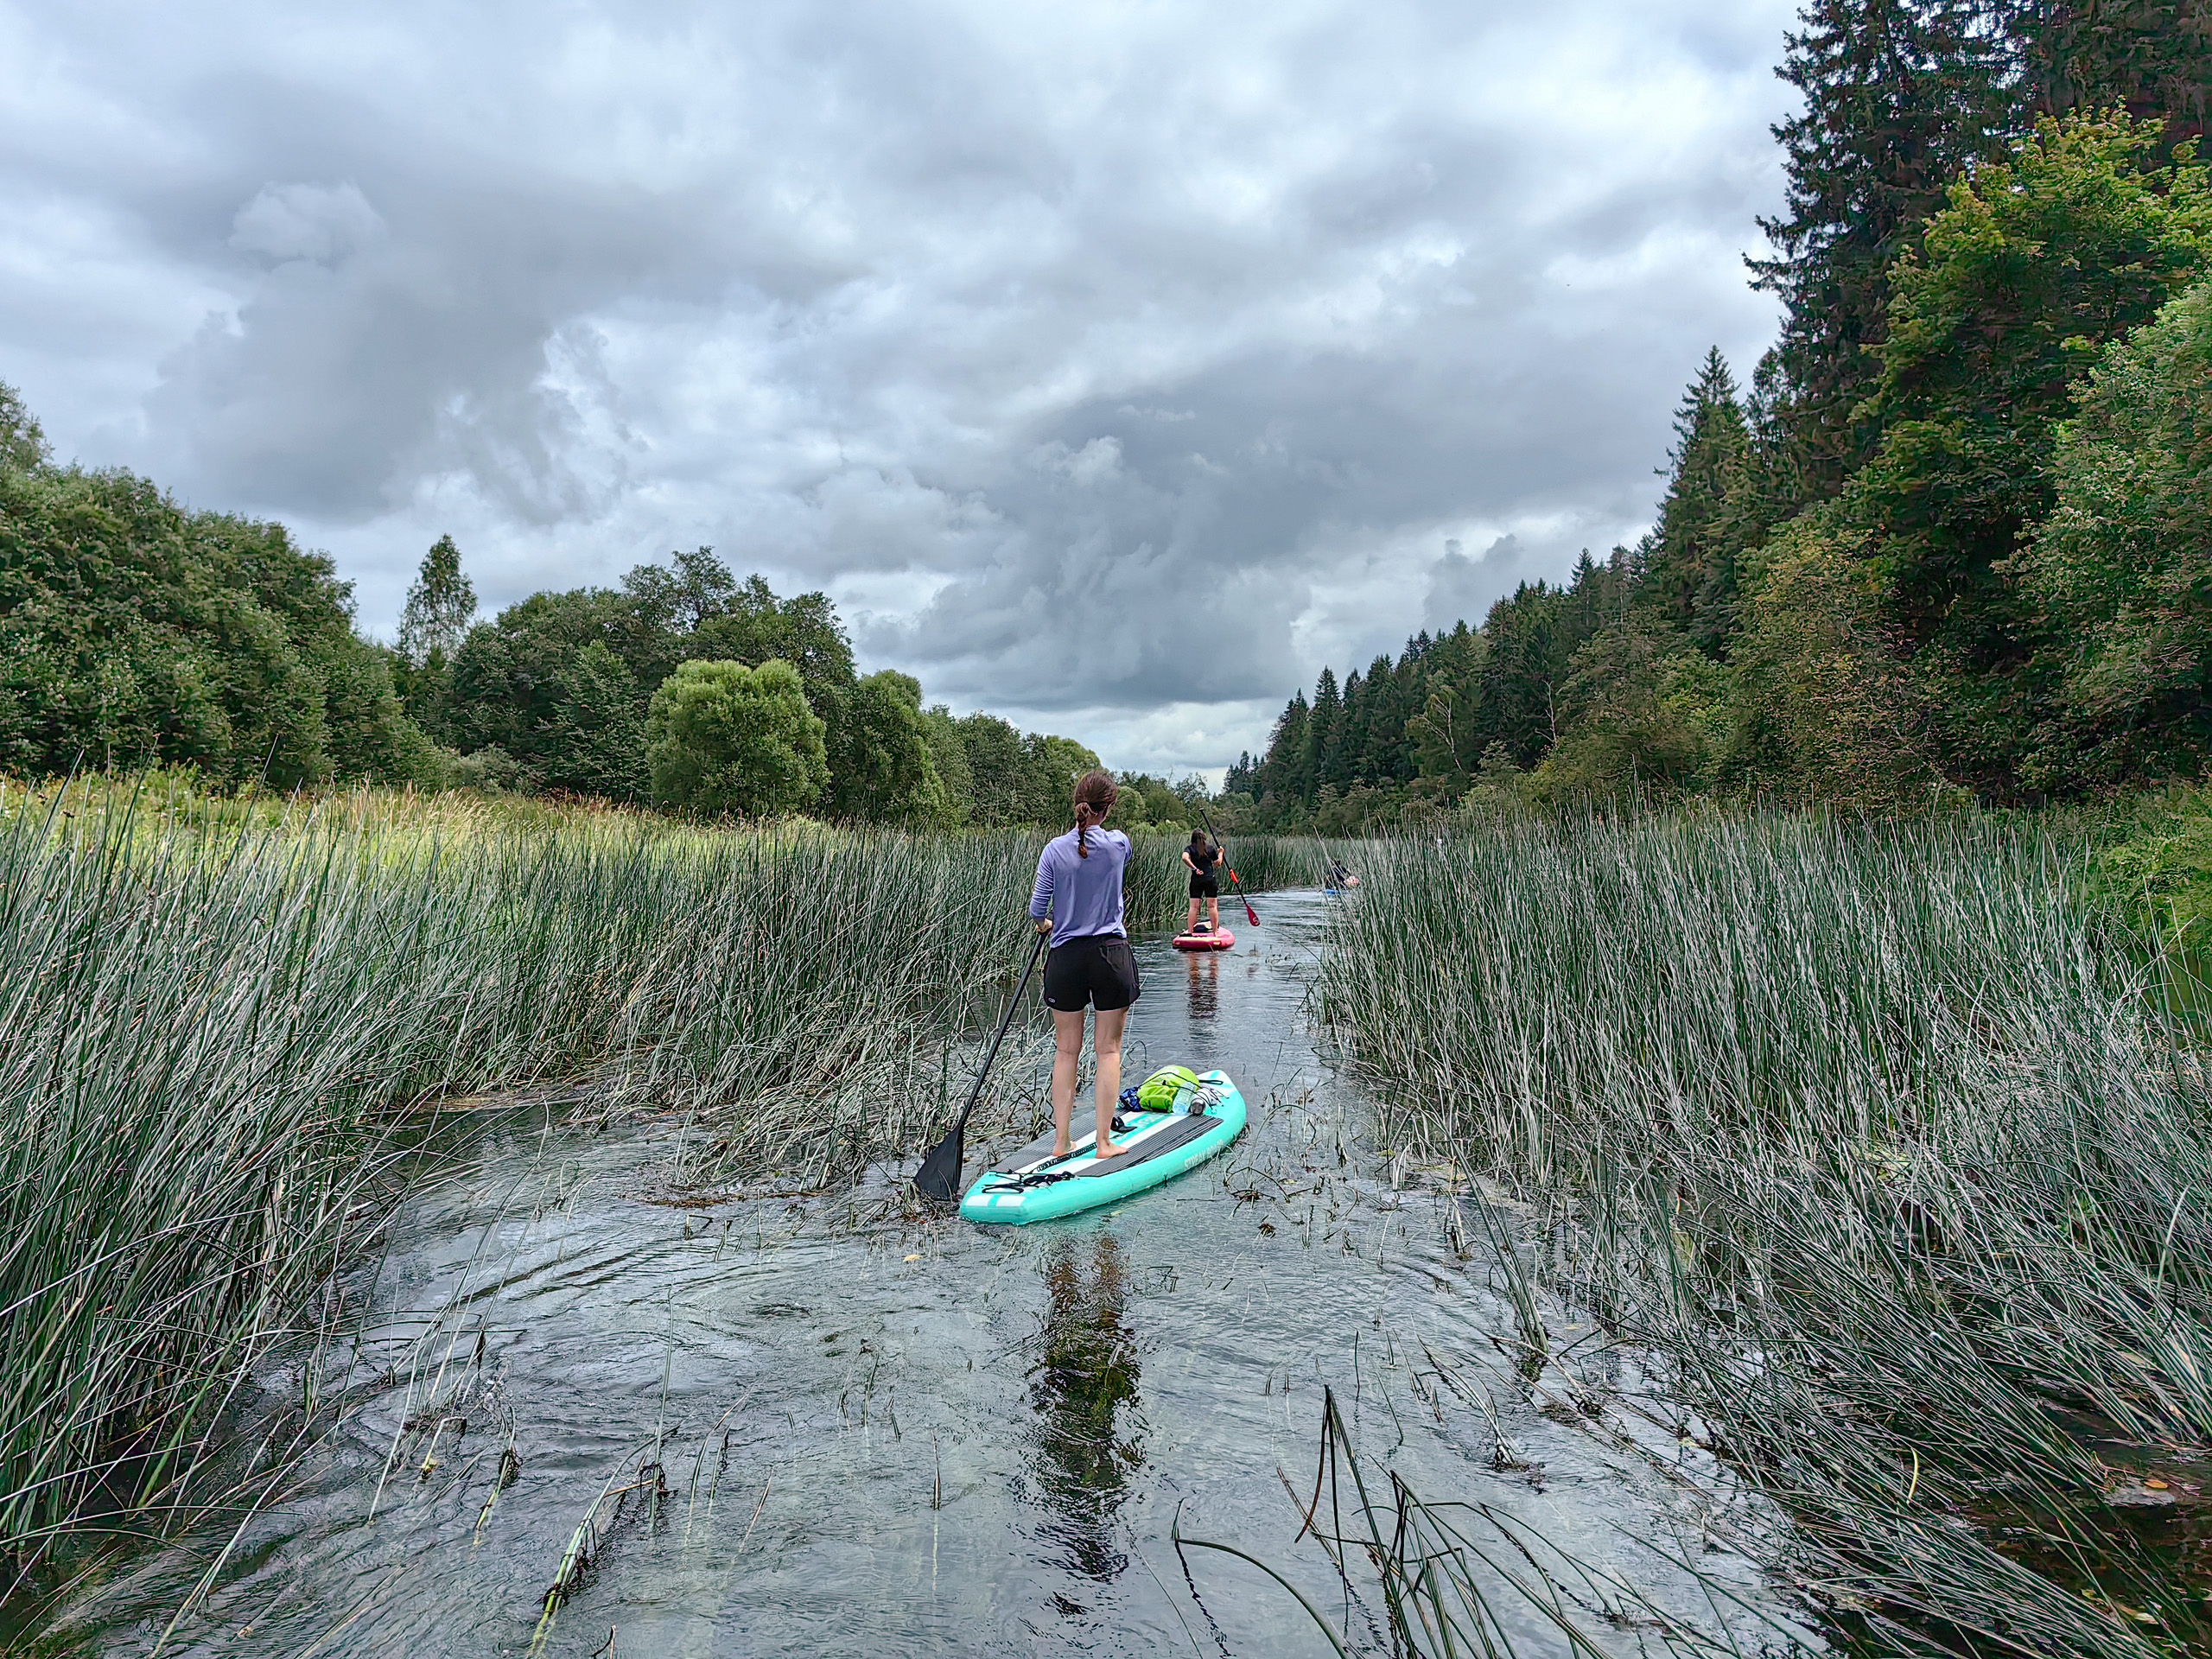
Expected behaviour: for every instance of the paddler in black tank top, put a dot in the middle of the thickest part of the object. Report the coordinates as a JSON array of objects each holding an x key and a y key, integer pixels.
[{"x": 1205, "y": 885}]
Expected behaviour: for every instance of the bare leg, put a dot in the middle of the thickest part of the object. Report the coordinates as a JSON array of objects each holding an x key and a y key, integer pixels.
[
  {"x": 1191, "y": 925},
  {"x": 1106, "y": 1040},
  {"x": 1213, "y": 910},
  {"x": 1067, "y": 1049}
]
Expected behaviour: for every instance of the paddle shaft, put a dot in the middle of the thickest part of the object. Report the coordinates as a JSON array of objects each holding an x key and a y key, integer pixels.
[
  {"x": 937, "y": 1178},
  {"x": 1005, "y": 1020},
  {"x": 1251, "y": 914}
]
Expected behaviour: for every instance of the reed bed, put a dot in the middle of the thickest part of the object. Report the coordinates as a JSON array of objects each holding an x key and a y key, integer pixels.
[
  {"x": 217, "y": 1018},
  {"x": 1880, "y": 1136}
]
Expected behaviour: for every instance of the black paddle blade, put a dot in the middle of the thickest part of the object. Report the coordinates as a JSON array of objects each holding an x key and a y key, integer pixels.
[{"x": 938, "y": 1179}]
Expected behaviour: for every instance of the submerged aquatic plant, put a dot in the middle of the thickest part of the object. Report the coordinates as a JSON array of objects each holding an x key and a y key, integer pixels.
[
  {"x": 1439, "y": 1579},
  {"x": 1870, "y": 1134}
]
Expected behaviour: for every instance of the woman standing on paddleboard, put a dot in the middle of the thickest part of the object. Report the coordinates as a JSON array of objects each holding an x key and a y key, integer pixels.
[
  {"x": 1205, "y": 885},
  {"x": 1078, "y": 901}
]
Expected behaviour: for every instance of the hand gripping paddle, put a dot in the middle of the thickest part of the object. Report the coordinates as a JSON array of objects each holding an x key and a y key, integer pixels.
[{"x": 938, "y": 1179}]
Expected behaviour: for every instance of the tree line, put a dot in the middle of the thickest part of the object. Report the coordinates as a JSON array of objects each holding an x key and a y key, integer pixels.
[
  {"x": 685, "y": 686},
  {"x": 1956, "y": 539},
  {"x": 136, "y": 632}
]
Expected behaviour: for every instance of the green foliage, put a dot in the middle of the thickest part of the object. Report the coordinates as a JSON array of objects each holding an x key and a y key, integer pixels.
[
  {"x": 23, "y": 447},
  {"x": 2161, "y": 873},
  {"x": 752, "y": 626},
  {"x": 1900, "y": 96},
  {"x": 1822, "y": 709},
  {"x": 2035, "y": 263},
  {"x": 441, "y": 605},
  {"x": 1646, "y": 712},
  {"x": 2153, "y": 58},
  {"x": 598, "y": 729},
  {"x": 134, "y": 632},
  {"x": 1687, "y": 567},
  {"x": 950, "y": 756},
  {"x": 886, "y": 773},
  {"x": 1143, "y": 801},
  {"x": 723, "y": 738},
  {"x": 511, "y": 676},
  {"x": 1002, "y": 789},
  {"x": 2123, "y": 567}
]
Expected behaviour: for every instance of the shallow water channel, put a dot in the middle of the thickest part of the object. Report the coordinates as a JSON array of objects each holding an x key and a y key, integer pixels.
[{"x": 875, "y": 1437}]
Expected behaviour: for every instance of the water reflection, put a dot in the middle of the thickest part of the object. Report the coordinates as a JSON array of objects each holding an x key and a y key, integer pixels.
[
  {"x": 1205, "y": 983},
  {"x": 1086, "y": 1369}
]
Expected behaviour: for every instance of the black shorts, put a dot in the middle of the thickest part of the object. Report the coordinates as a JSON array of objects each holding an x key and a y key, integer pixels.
[
  {"x": 1098, "y": 969},
  {"x": 1204, "y": 886}
]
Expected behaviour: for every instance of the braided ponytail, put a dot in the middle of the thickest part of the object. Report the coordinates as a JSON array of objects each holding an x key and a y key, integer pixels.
[{"x": 1094, "y": 799}]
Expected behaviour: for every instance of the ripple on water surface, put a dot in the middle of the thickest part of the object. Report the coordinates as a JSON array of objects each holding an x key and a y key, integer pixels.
[{"x": 801, "y": 1436}]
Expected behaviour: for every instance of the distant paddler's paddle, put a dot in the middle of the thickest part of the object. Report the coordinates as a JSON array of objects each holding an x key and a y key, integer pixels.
[
  {"x": 1251, "y": 914},
  {"x": 938, "y": 1179}
]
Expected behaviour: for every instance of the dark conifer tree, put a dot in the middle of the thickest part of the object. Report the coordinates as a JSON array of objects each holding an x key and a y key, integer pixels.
[
  {"x": 1324, "y": 733},
  {"x": 1382, "y": 727},
  {"x": 1899, "y": 96},
  {"x": 2152, "y": 57},
  {"x": 1352, "y": 735},
  {"x": 1688, "y": 562},
  {"x": 1526, "y": 661},
  {"x": 1283, "y": 772}
]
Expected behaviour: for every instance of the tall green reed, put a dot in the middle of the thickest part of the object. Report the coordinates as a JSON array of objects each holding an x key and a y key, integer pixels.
[
  {"x": 213, "y": 1019},
  {"x": 1874, "y": 1133}
]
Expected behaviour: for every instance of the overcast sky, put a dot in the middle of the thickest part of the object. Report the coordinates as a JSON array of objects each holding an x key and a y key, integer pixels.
[{"x": 1112, "y": 366}]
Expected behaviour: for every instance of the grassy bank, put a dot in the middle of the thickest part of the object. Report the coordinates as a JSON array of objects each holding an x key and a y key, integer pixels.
[
  {"x": 218, "y": 1013},
  {"x": 1884, "y": 1138}
]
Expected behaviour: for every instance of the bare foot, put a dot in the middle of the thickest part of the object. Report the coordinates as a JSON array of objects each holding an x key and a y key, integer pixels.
[
  {"x": 1109, "y": 1149},
  {"x": 1063, "y": 1149}
]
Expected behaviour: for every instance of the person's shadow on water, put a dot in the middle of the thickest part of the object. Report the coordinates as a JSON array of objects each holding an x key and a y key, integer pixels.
[{"x": 1086, "y": 1369}]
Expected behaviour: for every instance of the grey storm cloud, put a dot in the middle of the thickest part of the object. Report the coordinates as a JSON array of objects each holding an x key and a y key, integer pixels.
[
  {"x": 1118, "y": 365},
  {"x": 1460, "y": 588}
]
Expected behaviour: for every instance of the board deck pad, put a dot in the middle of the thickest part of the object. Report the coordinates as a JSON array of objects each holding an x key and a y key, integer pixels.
[
  {"x": 1028, "y": 1184},
  {"x": 1164, "y": 1139}
]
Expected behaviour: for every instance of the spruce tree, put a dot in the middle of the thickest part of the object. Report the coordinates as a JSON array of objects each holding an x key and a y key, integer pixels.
[
  {"x": 1282, "y": 774},
  {"x": 2151, "y": 57},
  {"x": 1688, "y": 561},
  {"x": 1899, "y": 96},
  {"x": 1351, "y": 734},
  {"x": 1323, "y": 734},
  {"x": 1383, "y": 724}
]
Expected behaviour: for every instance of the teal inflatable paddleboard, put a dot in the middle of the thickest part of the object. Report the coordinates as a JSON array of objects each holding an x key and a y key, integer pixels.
[{"x": 1031, "y": 1184}]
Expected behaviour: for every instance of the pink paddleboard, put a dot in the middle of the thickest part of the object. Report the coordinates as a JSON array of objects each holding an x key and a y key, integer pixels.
[{"x": 1220, "y": 940}]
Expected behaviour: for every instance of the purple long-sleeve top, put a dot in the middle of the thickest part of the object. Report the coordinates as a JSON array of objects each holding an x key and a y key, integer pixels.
[{"x": 1081, "y": 895}]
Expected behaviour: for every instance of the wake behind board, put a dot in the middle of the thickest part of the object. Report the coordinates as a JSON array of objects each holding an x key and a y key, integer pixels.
[
  {"x": 1031, "y": 1184},
  {"x": 1220, "y": 939}
]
